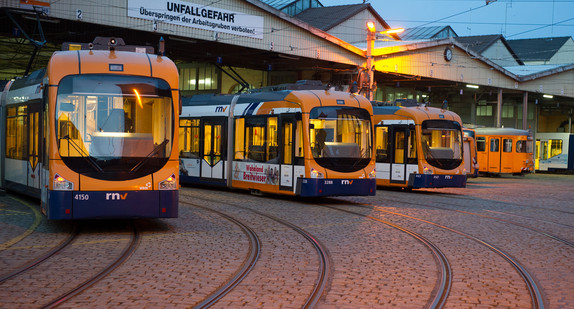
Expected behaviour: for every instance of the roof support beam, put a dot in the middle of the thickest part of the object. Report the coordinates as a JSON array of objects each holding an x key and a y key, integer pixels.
[{"x": 499, "y": 109}]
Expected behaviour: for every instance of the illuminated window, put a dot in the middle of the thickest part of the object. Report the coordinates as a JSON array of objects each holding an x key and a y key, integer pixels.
[
  {"x": 256, "y": 139},
  {"x": 507, "y": 111},
  {"x": 382, "y": 144},
  {"x": 16, "y": 130},
  {"x": 554, "y": 147},
  {"x": 198, "y": 77},
  {"x": 484, "y": 110},
  {"x": 189, "y": 138}
]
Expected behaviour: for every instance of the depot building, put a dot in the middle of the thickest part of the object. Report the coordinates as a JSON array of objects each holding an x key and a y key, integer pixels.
[{"x": 232, "y": 46}]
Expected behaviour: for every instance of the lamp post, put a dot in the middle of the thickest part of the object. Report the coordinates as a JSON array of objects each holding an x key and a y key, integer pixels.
[
  {"x": 371, "y": 34},
  {"x": 371, "y": 37}
]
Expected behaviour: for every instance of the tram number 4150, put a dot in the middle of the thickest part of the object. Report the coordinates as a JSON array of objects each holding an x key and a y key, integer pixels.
[{"x": 81, "y": 197}]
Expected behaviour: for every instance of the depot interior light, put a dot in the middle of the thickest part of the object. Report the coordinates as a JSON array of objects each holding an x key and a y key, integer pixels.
[
  {"x": 472, "y": 86},
  {"x": 548, "y": 96}
]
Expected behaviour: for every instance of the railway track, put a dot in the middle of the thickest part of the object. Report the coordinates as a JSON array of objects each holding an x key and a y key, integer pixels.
[
  {"x": 323, "y": 255},
  {"x": 58, "y": 255},
  {"x": 248, "y": 264},
  {"x": 444, "y": 284},
  {"x": 126, "y": 253},
  {"x": 536, "y": 296}
]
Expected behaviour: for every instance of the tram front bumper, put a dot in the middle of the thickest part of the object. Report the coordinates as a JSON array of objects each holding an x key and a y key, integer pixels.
[
  {"x": 417, "y": 181},
  {"x": 71, "y": 205},
  {"x": 335, "y": 187}
]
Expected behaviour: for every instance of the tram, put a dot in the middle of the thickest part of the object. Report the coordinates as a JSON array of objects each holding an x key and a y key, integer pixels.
[
  {"x": 94, "y": 134},
  {"x": 554, "y": 152},
  {"x": 418, "y": 147},
  {"x": 305, "y": 143},
  {"x": 504, "y": 151},
  {"x": 470, "y": 155}
]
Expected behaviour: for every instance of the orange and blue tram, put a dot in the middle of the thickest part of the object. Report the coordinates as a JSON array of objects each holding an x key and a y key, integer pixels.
[
  {"x": 94, "y": 135},
  {"x": 291, "y": 142},
  {"x": 418, "y": 147}
]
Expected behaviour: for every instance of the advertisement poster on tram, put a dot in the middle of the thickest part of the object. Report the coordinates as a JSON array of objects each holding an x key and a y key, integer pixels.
[{"x": 256, "y": 172}]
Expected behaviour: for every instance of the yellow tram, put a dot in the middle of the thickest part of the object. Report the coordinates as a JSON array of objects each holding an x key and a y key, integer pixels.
[{"x": 418, "y": 147}]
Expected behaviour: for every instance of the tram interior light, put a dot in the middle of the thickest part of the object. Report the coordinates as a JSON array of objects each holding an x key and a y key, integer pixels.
[{"x": 139, "y": 98}]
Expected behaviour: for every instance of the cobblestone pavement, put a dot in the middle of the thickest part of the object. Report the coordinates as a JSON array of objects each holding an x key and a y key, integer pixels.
[{"x": 375, "y": 259}]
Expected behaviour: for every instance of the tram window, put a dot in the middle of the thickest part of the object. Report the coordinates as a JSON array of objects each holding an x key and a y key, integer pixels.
[
  {"x": 555, "y": 146},
  {"x": 16, "y": 132},
  {"x": 272, "y": 140},
  {"x": 507, "y": 145},
  {"x": 382, "y": 144},
  {"x": 287, "y": 142},
  {"x": 239, "y": 139},
  {"x": 481, "y": 143},
  {"x": 412, "y": 150},
  {"x": 299, "y": 151},
  {"x": 544, "y": 150},
  {"x": 189, "y": 138},
  {"x": 524, "y": 146},
  {"x": 494, "y": 144}
]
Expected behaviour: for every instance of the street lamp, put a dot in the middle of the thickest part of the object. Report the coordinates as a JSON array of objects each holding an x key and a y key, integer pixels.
[{"x": 371, "y": 37}]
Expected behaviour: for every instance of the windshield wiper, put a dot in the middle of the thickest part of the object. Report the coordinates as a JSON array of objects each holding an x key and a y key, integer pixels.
[
  {"x": 83, "y": 154},
  {"x": 155, "y": 150}
]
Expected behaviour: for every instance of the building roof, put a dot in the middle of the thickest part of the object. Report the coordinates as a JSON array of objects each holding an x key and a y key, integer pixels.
[
  {"x": 479, "y": 43},
  {"x": 540, "y": 49},
  {"x": 427, "y": 33},
  {"x": 337, "y": 14},
  {"x": 278, "y": 4}
]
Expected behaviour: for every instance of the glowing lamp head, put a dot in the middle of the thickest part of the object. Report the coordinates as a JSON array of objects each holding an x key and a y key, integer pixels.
[{"x": 371, "y": 26}]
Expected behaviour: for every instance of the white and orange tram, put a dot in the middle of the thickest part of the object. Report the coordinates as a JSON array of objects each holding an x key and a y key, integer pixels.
[
  {"x": 94, "y": 135},
  {"x": 292, "y": 142}
]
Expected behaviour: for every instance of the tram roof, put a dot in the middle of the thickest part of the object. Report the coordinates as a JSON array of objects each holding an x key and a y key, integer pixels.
[
  {"x": 500, "y": 131},
  {"x": 225, "y": 99}
]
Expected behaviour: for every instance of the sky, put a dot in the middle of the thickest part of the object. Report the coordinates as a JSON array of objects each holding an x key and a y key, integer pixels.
[{"x": 515, "y": 19}]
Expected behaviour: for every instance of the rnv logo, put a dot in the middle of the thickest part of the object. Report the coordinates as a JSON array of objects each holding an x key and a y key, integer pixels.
[
  {"x": 116, "y": 196},
  {"x": 347, "y": 182}
]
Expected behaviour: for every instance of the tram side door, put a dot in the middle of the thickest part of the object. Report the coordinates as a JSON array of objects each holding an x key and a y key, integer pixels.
[
  {"x": 494, "y": 155},
  {"x": 399, "y": 150},
  {"x": 35, "y": 132},
  {"x": 212, "y": 145},
  {"x": 287, "y": 152}
]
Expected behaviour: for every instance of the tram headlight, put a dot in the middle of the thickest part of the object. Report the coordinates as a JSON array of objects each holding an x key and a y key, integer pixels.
[
  {"x": 316, "y": 174},
  {"x": 170, "y": 183},
  {"x": 61, "y": 184},
  {"x": 427, "y": 170},
  {"x": 373, "y": 174}
]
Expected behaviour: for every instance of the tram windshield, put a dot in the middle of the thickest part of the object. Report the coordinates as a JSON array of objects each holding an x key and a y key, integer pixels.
[
  {"x": 114, "y": 126},
  {"x": 341, "y": 137},
  {"x": 441, "y": 141}
]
